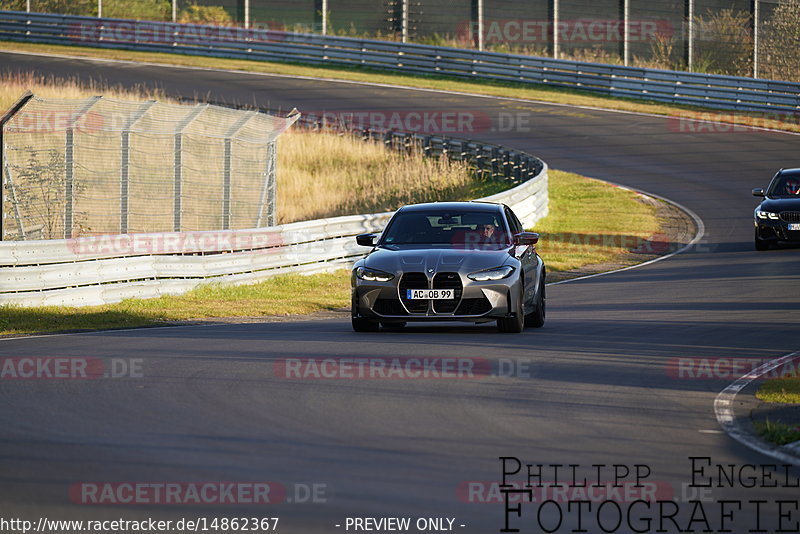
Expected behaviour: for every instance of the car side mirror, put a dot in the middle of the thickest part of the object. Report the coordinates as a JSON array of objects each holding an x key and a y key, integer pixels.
[
  {"x": 758, "y": 192},
  {"x": 366, "y": 240},
  {"x": 526, "y": 238}
]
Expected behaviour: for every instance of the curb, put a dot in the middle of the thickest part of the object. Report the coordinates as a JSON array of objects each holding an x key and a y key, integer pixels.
[
  {"x": 700, "y": 230},
  {"x": 723, "y": 409}
]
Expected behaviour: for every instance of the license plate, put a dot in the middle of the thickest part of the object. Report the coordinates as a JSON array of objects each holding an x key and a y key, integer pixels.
[
  {"x": 795, "y": 226},
  {"x": 428, "y": 294}
]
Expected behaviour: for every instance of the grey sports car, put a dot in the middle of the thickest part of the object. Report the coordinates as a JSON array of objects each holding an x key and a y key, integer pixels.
[{"x": 450, "y": 261}]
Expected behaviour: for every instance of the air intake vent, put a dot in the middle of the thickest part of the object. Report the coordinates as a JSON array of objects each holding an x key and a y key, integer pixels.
[
  {"x": 447, "y": 281},
  {"x": 414, "y": 281}
]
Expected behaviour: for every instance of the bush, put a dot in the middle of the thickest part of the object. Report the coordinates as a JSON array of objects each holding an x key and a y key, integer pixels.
[
  {"x": 160, "y": 10},
  {"x": 724, "y": 43},
  {"x": 205, "y": 15}
]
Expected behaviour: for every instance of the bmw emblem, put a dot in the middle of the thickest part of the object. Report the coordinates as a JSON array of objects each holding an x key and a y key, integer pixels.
[{"x": 430, "y": 271}]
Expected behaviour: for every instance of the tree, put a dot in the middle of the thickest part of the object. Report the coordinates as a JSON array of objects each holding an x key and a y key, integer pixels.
[{"x": 780, "y": 49}]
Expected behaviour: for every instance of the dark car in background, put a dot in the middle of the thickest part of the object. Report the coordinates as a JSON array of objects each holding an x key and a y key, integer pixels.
[
  {"x": 450, "y": 261},
  {"x": 777, "y": 218}
]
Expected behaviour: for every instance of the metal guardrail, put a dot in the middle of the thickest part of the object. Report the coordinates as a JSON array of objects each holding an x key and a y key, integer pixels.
[{"x": 724, "y": 92}]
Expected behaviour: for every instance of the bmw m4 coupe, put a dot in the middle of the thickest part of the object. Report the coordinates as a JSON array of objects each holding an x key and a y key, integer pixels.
[
  {"x": 450, "y": 261},
  {"x": 777, "y": 218}
]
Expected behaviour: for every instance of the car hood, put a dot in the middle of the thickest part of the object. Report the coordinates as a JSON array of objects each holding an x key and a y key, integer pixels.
[
  {"x": 399, "y": 259},
  {"x": 777, "y": 205}
]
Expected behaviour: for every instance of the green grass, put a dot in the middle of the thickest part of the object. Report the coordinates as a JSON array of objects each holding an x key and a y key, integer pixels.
[
  {"x": 282, "y": 295},
  {"x": 577, "y": 204},
  {"x": 777, "y": 432},
  {"x": 784, "y": 390},
  {"x": 591, "y": 222},
  {"x": 503, "y": 89}
]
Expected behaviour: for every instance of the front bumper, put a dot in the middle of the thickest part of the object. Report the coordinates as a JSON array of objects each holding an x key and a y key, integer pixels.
[
  {"x": 772, "y": 230},
  {"x": 475, "y": 301}
]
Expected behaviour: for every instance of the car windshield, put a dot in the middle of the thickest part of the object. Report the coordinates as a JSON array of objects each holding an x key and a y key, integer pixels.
[
  {"x": 471, "y": 229},
  {"x": 785, "y": 185}
]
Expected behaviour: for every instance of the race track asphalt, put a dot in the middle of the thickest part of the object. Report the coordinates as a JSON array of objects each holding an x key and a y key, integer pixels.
[{"x": 594, "y": 386}]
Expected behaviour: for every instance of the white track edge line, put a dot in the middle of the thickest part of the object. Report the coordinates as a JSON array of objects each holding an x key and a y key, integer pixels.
[
  {"x": 723, "y": 410},
  {"x": 700, "y": 225}
]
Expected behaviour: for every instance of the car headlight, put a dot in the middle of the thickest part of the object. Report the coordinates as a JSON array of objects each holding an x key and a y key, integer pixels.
[
  {"x": 373, "y": 275},
  {"x": 766, "y": 215},
  {"x": 495, "y": 273}
]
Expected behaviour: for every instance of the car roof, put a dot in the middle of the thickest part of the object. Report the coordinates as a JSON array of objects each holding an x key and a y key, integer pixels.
[
  {"x": 485, "y": 207},
  {"x": 790, "y": 171}
]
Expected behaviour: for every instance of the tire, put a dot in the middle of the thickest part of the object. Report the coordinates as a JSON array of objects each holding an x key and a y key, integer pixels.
[
  {"x": 515, "y": 324},
  {"x": 760, "y": 243},
  {"x": 536, "y": 317},
  {"x": 361, "y": 324}
]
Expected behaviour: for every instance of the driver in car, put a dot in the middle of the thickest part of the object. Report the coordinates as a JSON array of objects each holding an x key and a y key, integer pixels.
[
  {"x": 486, "y": 231},
  {"x": 793, "y": 186}
]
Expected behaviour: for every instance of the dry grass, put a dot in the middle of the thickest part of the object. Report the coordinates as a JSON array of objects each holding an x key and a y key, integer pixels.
[
  {"x": 13, "y": 86},
  {"x": 325, "y": 175}
]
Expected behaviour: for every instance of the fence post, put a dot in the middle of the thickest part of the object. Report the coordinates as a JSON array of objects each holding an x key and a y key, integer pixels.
[
  {"x": 625, "y": 16},
  {"x": 755, "y": 18},
  {"x": 124, "y": 158},
  {"x": 69, "y": 166},
  {"x": 321, "y": 16},
  {"x": 7, "y": 116},
  {"x": 553, "y": 15},
  {"x": 177, "y": 188},
  {"x": 689, "y": 40},
  {"x": 227, "y": 164},
  {"x": 272, "y": 189},
  {"x": 476, "y": 24},
  {"x": 13, "y": 192}
]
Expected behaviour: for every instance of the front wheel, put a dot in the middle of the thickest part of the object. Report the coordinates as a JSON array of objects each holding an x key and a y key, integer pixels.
[
  {"x": 516, "y": 323},
  {"x": 760, "y": 243},
  {"x": 361, "y": 324},
  {"x": 536, "y": 317}
]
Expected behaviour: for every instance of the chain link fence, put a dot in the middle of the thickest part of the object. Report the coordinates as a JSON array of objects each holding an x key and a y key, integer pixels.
[
  {"x": 74, "y": 168},
  {"x": 758, "y": 38}
]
